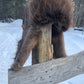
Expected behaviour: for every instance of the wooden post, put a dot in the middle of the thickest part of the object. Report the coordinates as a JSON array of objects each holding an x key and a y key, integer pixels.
[{"x": 44, "y": 49}]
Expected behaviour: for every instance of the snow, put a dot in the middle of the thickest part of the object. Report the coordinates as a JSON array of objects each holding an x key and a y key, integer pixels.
[
  {"x": 10, "y": 34},
  {"x": 75, "y": 80},
  {"x": 74, "y": 42}
]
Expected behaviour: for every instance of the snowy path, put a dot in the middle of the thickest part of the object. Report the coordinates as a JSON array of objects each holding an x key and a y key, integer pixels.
[
  {"x": 73, "y": 43},
  {"x": 10, "y": 33}
]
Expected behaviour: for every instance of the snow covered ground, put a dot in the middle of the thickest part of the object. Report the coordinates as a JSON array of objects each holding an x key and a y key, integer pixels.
[{"x": 10, "y": 33}]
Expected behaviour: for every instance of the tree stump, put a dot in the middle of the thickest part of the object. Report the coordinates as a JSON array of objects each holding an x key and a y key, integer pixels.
[{"x": 43, "y": 51}]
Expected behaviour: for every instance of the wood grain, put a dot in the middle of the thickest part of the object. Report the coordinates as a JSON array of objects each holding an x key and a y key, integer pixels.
[
  {"x": 51, "y": 72},
  {"x": 44, "y": 49}
]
